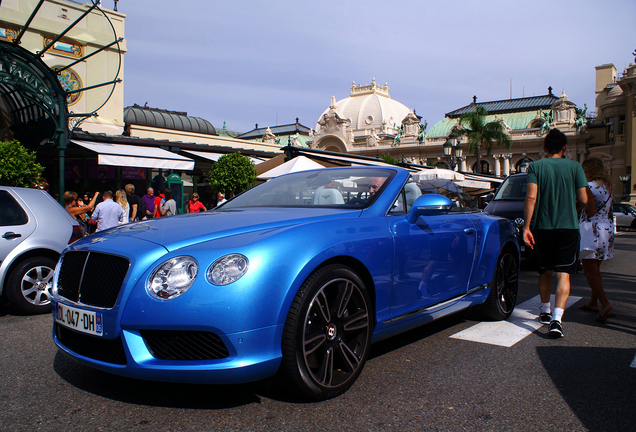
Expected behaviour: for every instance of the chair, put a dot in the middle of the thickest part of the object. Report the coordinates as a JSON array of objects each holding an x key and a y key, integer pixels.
[
  {"x": 330, "y": 197},
  {"x": 412, "y": 192}
]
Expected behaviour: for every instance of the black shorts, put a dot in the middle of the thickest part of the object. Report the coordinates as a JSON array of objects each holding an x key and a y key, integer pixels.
[{"x": 557, "y": 250}]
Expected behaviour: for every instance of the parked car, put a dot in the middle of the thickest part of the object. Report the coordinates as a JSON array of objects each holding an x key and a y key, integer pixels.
[
  {"x": 297, "y": 276},
  {"x": 508, "y": 201},
  {"x": 625, "y": 215},
  {"x": 35, "y": 231}
]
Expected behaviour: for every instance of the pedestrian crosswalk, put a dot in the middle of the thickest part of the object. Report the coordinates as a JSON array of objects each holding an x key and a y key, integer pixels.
[{"x": 520, "y": 324}]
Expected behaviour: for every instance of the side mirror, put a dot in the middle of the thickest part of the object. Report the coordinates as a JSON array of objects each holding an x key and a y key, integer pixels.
[
  {"x": 489, "y": 197},
  {"x": 429, "y": 205}
]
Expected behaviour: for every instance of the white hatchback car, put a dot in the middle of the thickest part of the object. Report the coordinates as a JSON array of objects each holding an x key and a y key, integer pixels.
[{"x": 34, "y": 229}]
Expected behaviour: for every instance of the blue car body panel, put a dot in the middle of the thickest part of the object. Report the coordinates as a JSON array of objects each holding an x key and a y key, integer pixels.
[{"x": 284, "y": 246}]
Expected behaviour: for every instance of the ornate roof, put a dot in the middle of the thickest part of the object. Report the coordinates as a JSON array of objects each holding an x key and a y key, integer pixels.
[
  {"x": 369, "y": 107},
  {"x": 532, "y": 103},
  {"x": 165, "y": 119}
]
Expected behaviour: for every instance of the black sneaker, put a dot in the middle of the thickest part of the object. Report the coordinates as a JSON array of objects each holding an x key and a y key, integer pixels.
[
  {"x": 545, "y": 318},
  {"x": 556, "y": 330}
]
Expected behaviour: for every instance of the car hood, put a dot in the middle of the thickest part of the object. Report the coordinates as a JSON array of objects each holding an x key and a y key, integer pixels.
[{"x": 184, "y": 230}]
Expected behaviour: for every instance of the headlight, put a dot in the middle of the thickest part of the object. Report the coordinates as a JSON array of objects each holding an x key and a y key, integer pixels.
[
  {"x": 172, "y": 278},
  {"x": 227, "y": 269}
]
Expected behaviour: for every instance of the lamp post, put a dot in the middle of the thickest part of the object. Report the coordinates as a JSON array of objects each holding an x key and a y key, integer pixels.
[
  {"x": 625, "y": 180},
  {"x": 523, "y": 165},
  {"x": 453, "y": 150}
]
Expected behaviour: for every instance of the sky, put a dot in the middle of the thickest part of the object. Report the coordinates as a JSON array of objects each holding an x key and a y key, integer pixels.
[{"x": 268, "y": 63}]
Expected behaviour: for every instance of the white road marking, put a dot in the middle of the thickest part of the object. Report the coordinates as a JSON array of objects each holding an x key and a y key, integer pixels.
[{"x": 523, "y": 321}]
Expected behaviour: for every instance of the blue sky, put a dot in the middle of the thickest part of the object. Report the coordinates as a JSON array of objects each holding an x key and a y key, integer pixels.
[{"x": 254, "y": 62}]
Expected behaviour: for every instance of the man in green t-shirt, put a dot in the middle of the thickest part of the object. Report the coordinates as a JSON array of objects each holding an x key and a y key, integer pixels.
[{"x": 556, "y": 192}]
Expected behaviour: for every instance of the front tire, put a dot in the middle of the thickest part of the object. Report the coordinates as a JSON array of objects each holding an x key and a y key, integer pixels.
[
  {"x": 327, "y": 333},
  {"x": 503, "y": 293},
  {"x": 29, "y": 285}
]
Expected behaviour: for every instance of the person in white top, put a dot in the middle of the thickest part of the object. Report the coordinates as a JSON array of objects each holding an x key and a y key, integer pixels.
[{"x": 123, "y": 202}]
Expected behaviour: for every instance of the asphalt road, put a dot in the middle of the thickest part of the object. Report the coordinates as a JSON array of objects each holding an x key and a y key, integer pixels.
[{"x": 422, "y": 380}]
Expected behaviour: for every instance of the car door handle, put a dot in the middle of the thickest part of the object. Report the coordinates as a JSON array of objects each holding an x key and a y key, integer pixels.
[
  {"x": 469, "y": 230},
  {"x": 10, "y": 235}
]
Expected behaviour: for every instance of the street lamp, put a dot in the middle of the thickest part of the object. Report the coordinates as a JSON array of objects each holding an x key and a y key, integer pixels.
[
  {"x": 523, "y": 165},
  {"x": 625, "y": 180},
  {"x": 453, "y": 150}
]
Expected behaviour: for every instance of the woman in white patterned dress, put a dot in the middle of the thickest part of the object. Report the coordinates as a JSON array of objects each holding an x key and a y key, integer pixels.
[{"x": 598, "y": 211}]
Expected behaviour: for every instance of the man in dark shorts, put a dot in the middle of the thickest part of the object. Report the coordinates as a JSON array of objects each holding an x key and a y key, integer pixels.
[{"x": 556, "y": 192}]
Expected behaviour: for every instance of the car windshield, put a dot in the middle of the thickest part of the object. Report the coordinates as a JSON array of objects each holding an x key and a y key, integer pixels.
[
  {"x": 513, "y": 188},
  {"x": 346, "y": 188}
]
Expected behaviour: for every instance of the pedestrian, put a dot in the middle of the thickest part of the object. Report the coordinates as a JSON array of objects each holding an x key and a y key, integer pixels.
[
  {"x": 556, "y": 192},
  {"x": 159, "y": 200},
  {"x": 108, "y": 213},
  {"x": 122, "y": 199},
  {"x": 599, "y": 212},
  {"x": 149, "y": 201},
  {"x": 169, "y": 208},
  {"x": 220, "y": 199},
  {"x": 71, "y": 204},
  {"x": 194, "y": 205},
  {"x": 133, "y": 202}
]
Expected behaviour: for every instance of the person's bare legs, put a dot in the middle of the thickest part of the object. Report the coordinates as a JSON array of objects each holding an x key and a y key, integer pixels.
[
  {"x": 545, "y": 286},
  {"x": 592, "y": 271},
  {"x": 563, "y": 290}
]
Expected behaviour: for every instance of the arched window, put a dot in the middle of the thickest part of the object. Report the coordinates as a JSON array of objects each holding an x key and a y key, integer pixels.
[
  {"x": 536, "y": 123},
  {"x": 485, "y": 167}
]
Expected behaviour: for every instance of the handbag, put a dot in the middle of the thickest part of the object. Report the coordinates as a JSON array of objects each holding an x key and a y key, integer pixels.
[{"x": 588, "y": 242}]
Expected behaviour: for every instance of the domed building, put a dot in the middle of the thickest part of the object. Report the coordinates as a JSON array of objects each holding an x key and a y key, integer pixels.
[
  {"x": 367, "y": 119},
  {"x": 369, "y": 123}
]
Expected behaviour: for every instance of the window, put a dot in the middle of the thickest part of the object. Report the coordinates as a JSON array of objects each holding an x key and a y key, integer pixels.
[
  {"x": 609, "y": 128},
  {"x": 485, "y": 167},
  {"x": 10, "y": 211},
  {"x": 621, "y": 125}
]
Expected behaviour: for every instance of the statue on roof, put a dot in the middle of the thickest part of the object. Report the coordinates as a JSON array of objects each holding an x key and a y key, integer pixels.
[
  {"x": 422, "y": 135},
  {"x": 547, "y": 121},
  {"x": 580, "y": 120},
  {"x": 398, "y": 137}
]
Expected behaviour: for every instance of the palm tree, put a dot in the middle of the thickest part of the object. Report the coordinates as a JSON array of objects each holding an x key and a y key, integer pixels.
[{"x": 481, "y": 134}]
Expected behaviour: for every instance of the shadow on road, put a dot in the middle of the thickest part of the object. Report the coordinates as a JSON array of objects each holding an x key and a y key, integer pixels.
[
  {"x": 593, "y": 383},
  {"x": 195, "y": 396}
]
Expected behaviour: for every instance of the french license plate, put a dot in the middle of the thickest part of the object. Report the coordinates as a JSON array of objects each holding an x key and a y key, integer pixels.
[{"x": 80, "y": 320}]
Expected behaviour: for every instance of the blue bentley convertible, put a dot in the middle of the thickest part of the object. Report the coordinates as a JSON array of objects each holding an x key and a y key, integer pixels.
[{"x": 295, "y": 278}]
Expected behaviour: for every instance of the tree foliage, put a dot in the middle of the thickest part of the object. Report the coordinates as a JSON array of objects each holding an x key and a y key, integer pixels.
[
  {"x": 388, "y": 159},
  {"x": 233, "y": 173},
  {"x": 482, "y": 135},
  {"x": 18, "y": 167}
]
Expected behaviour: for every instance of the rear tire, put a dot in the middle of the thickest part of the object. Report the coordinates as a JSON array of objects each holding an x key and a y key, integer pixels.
[
  {"x": 327, "y": 333},
  {"x": 29, "y": 285},
  {"x": 503, "y": 293}
]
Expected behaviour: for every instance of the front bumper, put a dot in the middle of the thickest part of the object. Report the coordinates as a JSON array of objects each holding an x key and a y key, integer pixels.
[{"x": 253, "y": 355}]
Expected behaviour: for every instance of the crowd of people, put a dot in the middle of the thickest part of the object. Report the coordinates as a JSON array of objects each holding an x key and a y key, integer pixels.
[{"x": 123, "y": 206}]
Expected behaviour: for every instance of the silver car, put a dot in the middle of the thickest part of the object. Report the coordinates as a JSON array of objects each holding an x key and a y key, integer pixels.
[
  {"x": 625, "y": 215},
  {"x": 34, "y": 229}
]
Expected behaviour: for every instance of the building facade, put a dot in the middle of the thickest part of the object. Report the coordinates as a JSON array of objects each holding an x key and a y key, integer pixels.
[
  {"x": 370, "y": 123},
  {"x": 613, "y": 132}
]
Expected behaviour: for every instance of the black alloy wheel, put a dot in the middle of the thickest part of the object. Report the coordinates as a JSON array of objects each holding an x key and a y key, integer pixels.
[
  {"x": 503, "y": 293},
  {"x": 327, "y": 333}
]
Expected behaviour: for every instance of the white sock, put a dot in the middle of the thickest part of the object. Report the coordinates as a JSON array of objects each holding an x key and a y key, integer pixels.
[
  {"x": 557, "y": 315},
  {"x": 545, "y": 307}
]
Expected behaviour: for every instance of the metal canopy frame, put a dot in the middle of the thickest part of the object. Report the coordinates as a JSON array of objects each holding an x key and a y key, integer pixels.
[{"x": 32, "y": 92}]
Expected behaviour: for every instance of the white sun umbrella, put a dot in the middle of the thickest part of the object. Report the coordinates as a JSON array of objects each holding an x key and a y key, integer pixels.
[
  {"x": 300, "y": 163},
  {"x": 438, "y": 174}
]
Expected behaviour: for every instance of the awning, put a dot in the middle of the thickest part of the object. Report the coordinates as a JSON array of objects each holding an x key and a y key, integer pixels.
[
  {"x": 136, "y": 156},
  {"x": 215, "y": 156}
]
